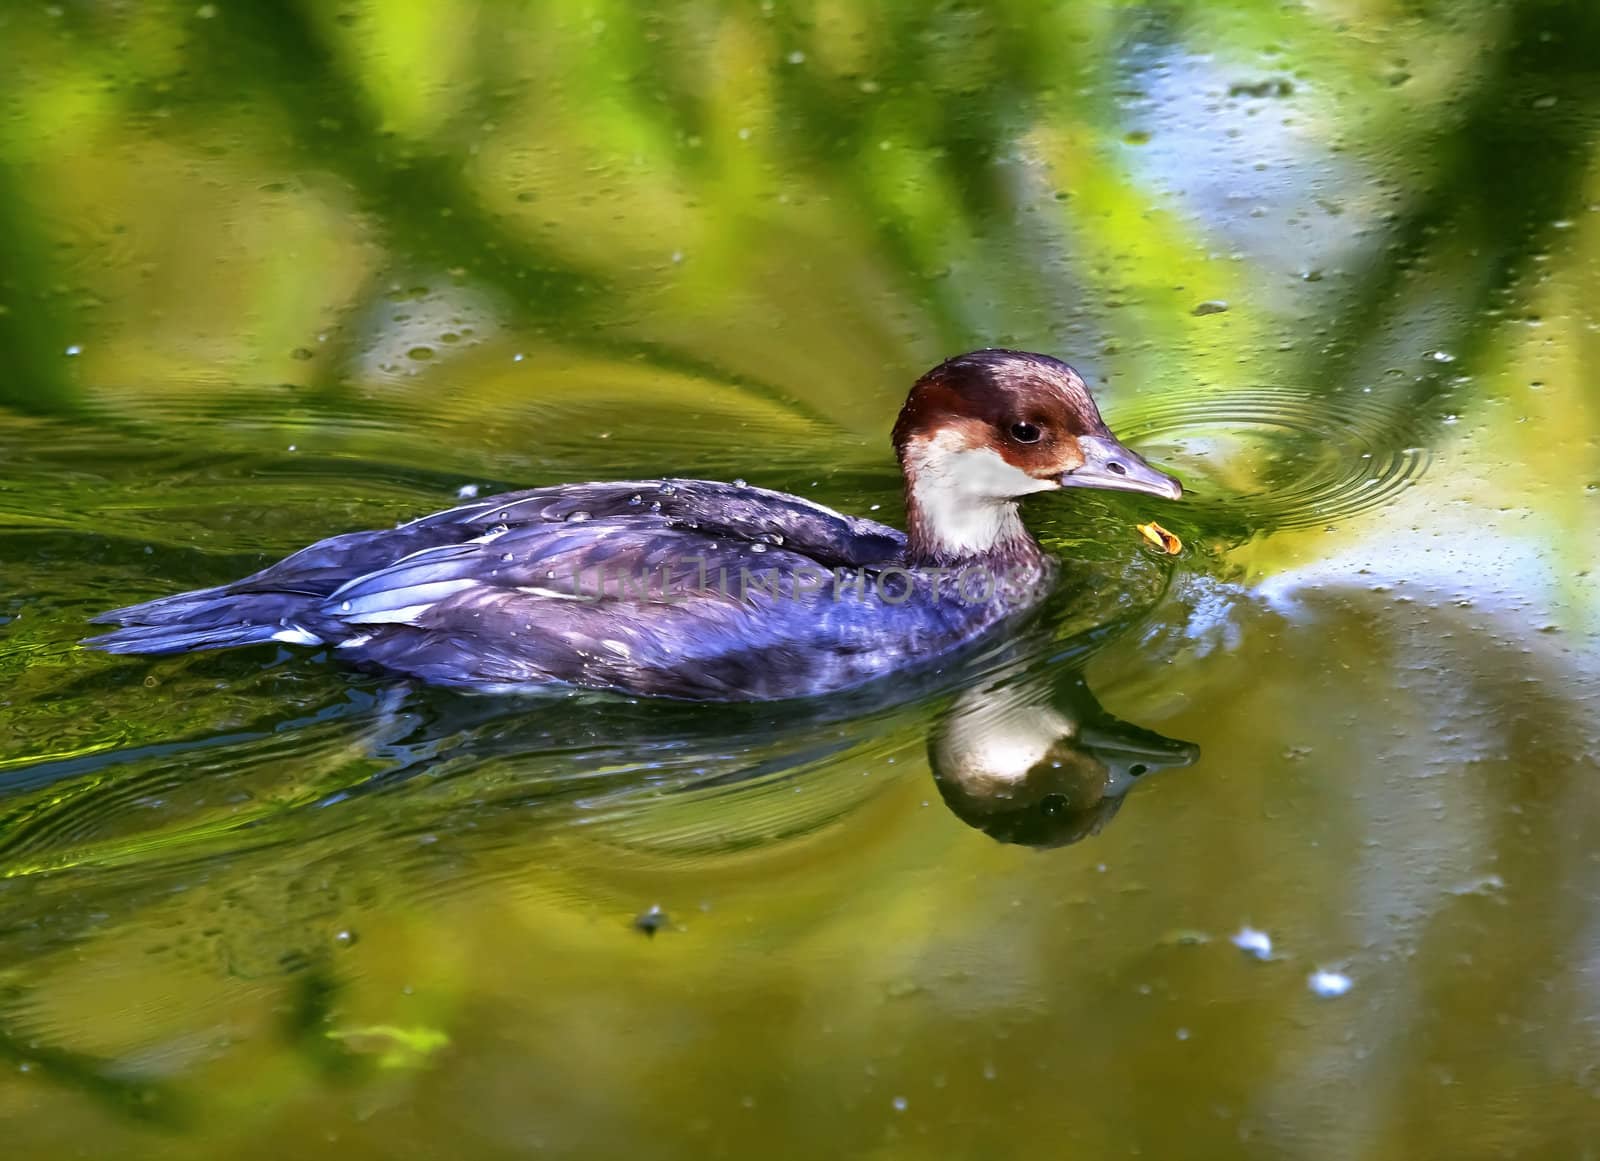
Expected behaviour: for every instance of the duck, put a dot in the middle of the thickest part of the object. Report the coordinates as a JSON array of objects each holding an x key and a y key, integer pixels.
[{"x": 694, "y": 589}]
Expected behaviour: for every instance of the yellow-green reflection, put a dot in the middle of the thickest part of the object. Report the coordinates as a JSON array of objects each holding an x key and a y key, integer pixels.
[{"x": 279, "y": 270}]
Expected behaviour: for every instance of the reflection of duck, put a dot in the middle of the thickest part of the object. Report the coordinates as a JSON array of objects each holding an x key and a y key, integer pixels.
[
  {"x": 1024, "y": 753},
  {"x": 676, "y": 778},
  {"x": 493, "y": 594},
  {"x": 1041, "y": 762}
]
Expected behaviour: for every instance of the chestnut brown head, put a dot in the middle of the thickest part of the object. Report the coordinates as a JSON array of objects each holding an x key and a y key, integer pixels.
[{"x": 1000, "y": 424}]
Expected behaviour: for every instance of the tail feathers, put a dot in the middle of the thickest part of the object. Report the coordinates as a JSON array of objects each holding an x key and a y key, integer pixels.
[
  {"x": 208, "y": 619},
  {"x": 169, "y": 610},
  {"x": 184, "y": 638}
]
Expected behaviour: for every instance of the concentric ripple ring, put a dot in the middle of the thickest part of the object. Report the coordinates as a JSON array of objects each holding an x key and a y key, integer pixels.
[{"x": 1277, "y": 457}]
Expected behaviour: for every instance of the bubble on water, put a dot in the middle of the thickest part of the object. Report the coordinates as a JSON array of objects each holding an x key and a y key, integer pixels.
[
  {"x": 1256, "y": 943},
  {"x": 344, "y": 606},
  {"x": 74, "y": 350},
  {"x": 668, "y": 489},
  {"x": 1271, "y": 87},
  {"x": 900, "y": 1104},
  {"x": 797, "y": 57},
  {"x": 1329, "y": 984},
  {"x": 579, "y": 517},
  {"x": 518, "y": 357},
  {"x": 636, "y": 499},
  {"x": 421, "y": 354},
  {"x": 1490, "y": 884},
  {"x": 466, "y": 491},
  {"x": 1210, "y": 306},
  {"x": 739, "y": 482},
  {"x": 758, "y": 547},
  {"x": 1441, "y": 356}
]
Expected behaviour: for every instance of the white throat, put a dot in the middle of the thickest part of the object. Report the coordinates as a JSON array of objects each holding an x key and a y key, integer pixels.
[{"x": 964, "y": 498}]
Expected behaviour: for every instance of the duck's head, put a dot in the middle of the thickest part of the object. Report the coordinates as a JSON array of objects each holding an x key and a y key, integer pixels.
[{"x": 981, "y": 430}]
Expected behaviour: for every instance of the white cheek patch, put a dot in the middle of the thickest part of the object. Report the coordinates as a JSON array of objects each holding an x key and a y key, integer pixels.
[
  {"x": 998, "y": 748},
  {"x": 980, "y": 473},
  {"x": 966, "y": 494}
]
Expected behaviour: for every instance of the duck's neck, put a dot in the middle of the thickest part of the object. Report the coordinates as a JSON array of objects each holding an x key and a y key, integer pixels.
[{"x": 947, "y": 526}]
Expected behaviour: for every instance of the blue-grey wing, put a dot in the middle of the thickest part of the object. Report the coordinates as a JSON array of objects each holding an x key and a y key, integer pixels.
[
  {"x": 638, "y": 603},
  {"x": 737, "y": 510},
  {"x": 756, "y": 514}
]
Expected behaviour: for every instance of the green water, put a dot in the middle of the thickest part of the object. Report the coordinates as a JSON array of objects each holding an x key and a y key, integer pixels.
[{"x": 274, "y": 271}]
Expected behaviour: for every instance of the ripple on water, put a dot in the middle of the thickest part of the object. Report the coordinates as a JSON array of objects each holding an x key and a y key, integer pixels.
[{"x": 1278, "y": 457}]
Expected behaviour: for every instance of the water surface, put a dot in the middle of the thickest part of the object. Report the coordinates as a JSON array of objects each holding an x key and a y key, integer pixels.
[{"x": 278, "y": 271}]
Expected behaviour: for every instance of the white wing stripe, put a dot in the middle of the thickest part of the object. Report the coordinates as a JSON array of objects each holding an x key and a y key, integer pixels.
[{"x": 390, "y": 606}]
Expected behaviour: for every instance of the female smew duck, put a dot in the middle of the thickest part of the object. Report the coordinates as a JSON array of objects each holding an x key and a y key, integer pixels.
[{"x": 689, "y": 588}]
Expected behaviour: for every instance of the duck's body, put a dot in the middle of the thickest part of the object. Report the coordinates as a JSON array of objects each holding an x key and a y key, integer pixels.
[
  {"x": 689, "y": 588},
  {"x": 683, "y": 588}
]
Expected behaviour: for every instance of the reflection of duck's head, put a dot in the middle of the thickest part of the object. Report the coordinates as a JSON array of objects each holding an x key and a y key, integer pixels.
[{"x": 1042, "y": 767}]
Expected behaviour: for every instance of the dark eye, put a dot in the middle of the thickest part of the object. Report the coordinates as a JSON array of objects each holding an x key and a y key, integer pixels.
[{"x": 1024, "y": 433}]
